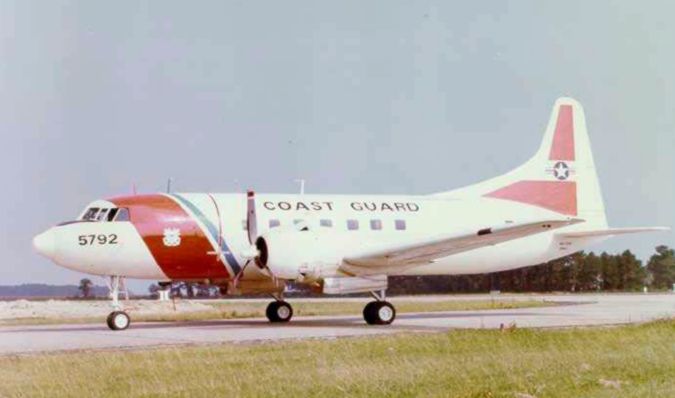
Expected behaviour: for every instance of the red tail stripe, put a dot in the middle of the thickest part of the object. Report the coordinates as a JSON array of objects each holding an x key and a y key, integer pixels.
[
  {"x": 559, "y": 196},
  {"x": 562, "y": 147}
]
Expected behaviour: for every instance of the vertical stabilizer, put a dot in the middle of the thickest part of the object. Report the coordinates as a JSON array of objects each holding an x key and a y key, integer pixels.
[{"x": 560, "y": 177}]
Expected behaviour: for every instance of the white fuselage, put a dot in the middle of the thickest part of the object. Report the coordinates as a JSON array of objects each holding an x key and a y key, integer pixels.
[{"x": 354, "y": 224}]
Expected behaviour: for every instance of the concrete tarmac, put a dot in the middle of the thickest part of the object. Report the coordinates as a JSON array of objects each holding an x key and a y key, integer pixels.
[{"x": 572, "y": 310}]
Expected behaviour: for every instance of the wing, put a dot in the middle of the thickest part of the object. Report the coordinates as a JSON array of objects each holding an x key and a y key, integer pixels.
[
  {"x": 610, "y": 232},
  {"x": 405, "y": 256}
]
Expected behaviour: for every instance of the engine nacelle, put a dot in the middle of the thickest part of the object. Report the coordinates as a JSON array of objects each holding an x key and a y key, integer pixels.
[{"x": 294, "y": 255}]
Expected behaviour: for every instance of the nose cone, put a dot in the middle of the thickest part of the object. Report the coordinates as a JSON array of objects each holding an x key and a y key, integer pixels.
[{"x": 45, "y": 243}]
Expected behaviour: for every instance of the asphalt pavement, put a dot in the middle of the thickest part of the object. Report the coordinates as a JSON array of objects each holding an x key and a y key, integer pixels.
[{"x": 570, "y": 311}]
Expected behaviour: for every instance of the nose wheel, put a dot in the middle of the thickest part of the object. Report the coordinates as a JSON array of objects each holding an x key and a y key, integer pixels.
[
  {"x": 118, "y": 320},
  {"x": 279, "y": 311}
]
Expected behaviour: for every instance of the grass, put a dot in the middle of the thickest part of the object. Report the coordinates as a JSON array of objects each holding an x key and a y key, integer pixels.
[
  {"x": 626, "y": 361},
  {"x": 254, "y": 309}
]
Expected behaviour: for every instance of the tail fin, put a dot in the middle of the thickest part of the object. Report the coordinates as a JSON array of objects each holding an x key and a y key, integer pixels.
[{"x": 560, "y": 177}]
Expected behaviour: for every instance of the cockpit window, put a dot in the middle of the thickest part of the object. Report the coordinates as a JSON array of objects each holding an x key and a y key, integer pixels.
[
  {"x": 91, "y": 213},
  {"x": 111, "y": 214},
  {"x": 122, "y": 214},
  {"x": 106, "y": 215},
  {"x": 101, "y": 215}
]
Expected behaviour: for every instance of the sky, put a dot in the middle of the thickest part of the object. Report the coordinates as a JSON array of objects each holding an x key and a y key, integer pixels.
[{"x": 382, "y": 97}]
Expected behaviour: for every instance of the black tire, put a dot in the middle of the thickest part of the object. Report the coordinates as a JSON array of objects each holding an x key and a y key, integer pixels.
[
  {"x": 379, "y": 313},
  {"x": 368, "y": 313},
  {"x": 279, "y": 311},
  {"x": 118, "y": 320}
]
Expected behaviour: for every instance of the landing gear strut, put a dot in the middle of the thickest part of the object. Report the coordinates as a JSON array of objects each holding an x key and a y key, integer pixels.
[
  {"x": 118, "y": 319},
  {"x": 379, "y": 312},
  {"x": 279, "y": 310}
]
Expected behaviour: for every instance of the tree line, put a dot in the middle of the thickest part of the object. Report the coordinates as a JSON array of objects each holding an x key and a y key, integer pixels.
[{"x": 578, "y": 272}]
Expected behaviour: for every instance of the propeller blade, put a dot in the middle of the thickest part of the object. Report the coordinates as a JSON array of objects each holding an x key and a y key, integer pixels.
[{"x": 251, "y": 219}]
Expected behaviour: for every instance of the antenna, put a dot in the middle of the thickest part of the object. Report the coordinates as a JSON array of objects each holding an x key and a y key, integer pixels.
[
  {"x": 133, "y": 189},
  {"x": 168, "y": 185},
  {"x": 302, "y": 185}
]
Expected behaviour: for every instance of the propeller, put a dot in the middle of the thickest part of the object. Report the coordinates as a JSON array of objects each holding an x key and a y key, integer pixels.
[
  {"x": 251, "y": 254},
  {"x": 257, "y": 249}
]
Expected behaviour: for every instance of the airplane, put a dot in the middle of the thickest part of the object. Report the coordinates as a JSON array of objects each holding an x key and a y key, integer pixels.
[{"x": 549, "y": 207}]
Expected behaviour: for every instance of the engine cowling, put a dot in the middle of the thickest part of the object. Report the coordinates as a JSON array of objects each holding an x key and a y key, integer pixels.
[{"x": 294, "y": 255}]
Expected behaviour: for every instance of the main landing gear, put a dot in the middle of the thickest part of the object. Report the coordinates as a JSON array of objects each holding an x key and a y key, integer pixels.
[
  {"x": 118, "y": 319},
  {"x": 379, "y": 312},
  {"x": 279, "y": 310}
]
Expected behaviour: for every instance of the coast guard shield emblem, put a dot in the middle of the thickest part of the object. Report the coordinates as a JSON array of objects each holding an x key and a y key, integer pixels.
[{"x": 171, "y": 237}]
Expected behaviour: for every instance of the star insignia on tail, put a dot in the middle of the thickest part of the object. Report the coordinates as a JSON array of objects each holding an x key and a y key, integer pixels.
[{"x": 561, "y": 171}]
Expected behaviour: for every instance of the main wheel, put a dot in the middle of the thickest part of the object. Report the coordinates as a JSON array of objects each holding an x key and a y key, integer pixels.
[
  {"x": 279, "y": 311},
  {"x": 368, "y": 312},
  {"x": 118, "y": 320},
  {"x": 379, "y": 313}
]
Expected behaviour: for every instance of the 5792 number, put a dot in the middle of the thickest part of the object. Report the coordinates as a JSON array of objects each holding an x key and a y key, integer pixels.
[{"x": 101, "y": 239}]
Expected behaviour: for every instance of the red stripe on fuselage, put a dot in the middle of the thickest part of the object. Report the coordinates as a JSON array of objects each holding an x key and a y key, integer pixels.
[
  {"x": 559, "y": 196},
  {"x": 151, "y": 215},
  {"x": 562, "y": 147}
]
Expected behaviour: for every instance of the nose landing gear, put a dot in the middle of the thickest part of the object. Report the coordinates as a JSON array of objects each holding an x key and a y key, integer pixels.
[
  {"x": 118, "y": 319},
  {"x": 379, "y": 312}
]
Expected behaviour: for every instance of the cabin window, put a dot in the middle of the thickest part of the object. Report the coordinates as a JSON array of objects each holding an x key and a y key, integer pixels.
[
  {"x": 400, "y": 225},
  {"x": 122, "y": 214},
  {"x": 352, "y": 225},
  {"x": 326, "y": 223},
  {"x": 376, "y": 225},
  {"x": 274, "y": 223}
]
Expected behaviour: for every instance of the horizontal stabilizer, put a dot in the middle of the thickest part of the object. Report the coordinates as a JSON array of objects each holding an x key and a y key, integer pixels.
[{"x": 610, "y": 232}]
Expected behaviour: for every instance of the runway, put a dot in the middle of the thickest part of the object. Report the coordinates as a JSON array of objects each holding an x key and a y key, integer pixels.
[{"x": 572, "y": 310}]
